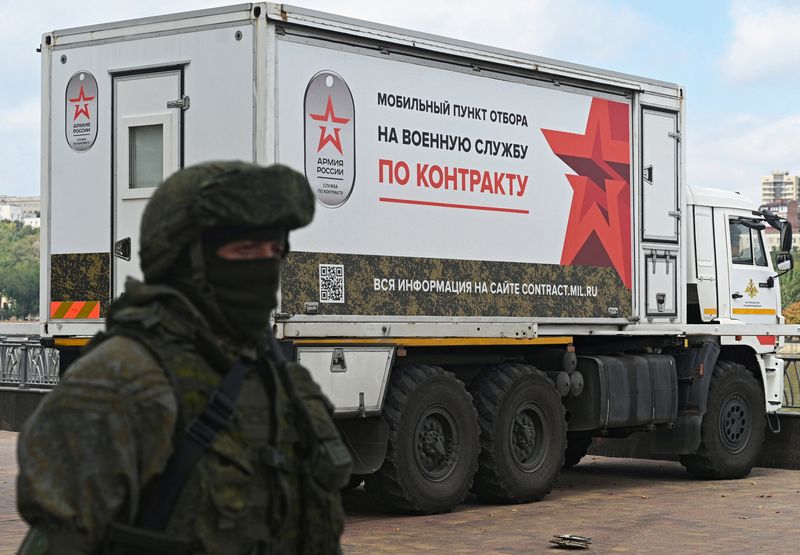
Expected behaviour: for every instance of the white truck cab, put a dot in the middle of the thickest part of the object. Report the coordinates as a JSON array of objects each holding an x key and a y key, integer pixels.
[
  {"x": 731, "y": 279},
  {"x": 732, "y": 272}
]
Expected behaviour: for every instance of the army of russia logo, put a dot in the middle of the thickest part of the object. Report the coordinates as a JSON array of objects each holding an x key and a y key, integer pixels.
[
  {"x": 330, "y": 138},
  {"x": 80, "y": 112}
]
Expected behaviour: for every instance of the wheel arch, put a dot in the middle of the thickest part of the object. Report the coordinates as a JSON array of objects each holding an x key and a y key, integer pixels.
[{"x": 747, "y": 357}]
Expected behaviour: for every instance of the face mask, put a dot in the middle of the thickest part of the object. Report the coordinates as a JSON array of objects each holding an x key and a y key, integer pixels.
[{"x": 245, "y": 291}]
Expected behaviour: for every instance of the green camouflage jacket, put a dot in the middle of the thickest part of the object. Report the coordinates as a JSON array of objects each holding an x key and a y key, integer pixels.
[{"x": 100, "y": 437}]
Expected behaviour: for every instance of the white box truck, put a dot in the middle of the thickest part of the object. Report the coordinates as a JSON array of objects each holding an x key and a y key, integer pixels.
[{"x": 506, "y": 259}]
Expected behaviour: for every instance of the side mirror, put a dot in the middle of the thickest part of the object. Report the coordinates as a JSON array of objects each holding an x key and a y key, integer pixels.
[
  {"x": 786, "y": 236},
  {"x": 785, "y": 261}
]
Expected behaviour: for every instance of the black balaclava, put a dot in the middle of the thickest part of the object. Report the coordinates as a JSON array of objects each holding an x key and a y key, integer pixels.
[{"x": 235, "y": 296}]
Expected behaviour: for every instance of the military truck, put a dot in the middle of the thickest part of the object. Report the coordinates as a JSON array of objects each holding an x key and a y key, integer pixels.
[{"x": 506, "y": 260}]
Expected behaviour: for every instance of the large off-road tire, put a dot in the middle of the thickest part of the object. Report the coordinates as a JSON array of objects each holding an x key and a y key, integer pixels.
[
  {"x": 577, "y": 445},
  {"x": 523, "y": 434},
  {"x": 433, "y": 443},
  {"x": 733, "y": 426}
]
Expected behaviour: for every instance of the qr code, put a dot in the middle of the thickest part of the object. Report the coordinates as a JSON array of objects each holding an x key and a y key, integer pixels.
[{"x": 331, "y": 283}]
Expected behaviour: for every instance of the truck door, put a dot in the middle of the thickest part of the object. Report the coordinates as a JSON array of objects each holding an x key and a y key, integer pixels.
[
  {"x": 705, "y": 262},
  {"x": 660, "y": 209},
  {"x": 660, "y": 188},
  {"x": 753, "y": 298},
  {"x": 147, "y": 149}
]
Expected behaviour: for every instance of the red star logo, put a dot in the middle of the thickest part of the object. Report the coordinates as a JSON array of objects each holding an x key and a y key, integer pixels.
[
  {"x": 84, "y": 100},
  {"x": 599, "y": 228},
  {"x": 324, "y": 136}
]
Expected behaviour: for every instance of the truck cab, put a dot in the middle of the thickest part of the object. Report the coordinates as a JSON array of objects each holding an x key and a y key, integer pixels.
[{"x": 731, "y": 278}]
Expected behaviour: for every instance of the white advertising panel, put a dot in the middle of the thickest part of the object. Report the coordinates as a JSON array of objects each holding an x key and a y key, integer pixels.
[{"x": 456, "y": 194}]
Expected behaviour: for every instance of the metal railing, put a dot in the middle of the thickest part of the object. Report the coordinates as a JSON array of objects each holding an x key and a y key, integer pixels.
[
  {"x": 25, "y": 364},
  {"x": 791, "y": 383}
]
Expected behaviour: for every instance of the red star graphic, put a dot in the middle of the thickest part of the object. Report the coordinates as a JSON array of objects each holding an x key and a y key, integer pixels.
[
  {"x": 82, "y": 99},
  {"x": 598, "y": 229},
  {"x": 324, "y": 136}
]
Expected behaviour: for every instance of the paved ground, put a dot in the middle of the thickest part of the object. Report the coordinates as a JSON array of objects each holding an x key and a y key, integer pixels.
[
  {"x": 626, "y": 506},
  {"x": 11, "y": 528}
]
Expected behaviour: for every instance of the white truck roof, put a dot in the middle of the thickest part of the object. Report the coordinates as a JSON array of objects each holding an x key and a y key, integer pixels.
[
  {"x": 356, "y": 27},
  {"x": 710, "y": 196}
]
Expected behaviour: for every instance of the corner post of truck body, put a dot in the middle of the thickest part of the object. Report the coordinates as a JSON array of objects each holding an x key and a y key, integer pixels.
[
  {"x": 47, "y": 46},
  {"x": 684, "y": 222},
  {"x": 637, "y": 297},
  {"x": 263, "y": 73}
]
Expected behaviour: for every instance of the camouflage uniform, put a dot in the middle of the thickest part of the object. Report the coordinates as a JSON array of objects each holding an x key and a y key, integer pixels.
[{"x": 97, "y": 444}]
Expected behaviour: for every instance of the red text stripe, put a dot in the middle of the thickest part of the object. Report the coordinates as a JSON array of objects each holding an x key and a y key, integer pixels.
[{"x": 449, "y": 205}]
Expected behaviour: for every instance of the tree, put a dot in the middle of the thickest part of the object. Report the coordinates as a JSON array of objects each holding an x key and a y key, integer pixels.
[
  {"x": 792, "y": 313},
  {"x": 19, "y": 269},
  {"x": 790, "y": 282}
]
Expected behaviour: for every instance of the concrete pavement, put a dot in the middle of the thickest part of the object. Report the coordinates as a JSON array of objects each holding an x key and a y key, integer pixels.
[{"x": 625, "y": 505}]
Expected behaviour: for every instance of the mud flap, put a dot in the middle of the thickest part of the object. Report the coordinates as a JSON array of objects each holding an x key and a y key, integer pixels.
[
  {"x": 695, "y": 369},
  {"x": 682, "y": 439},
  {"x": 367, "y": 440}
]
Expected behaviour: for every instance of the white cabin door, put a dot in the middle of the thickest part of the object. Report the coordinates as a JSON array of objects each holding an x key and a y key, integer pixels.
[
  {"x": 754, "y": 296},
  {"x": 660, "y": 176},
  {"x": 705, "y": 263},
  {"x": 147, "y": 149}
]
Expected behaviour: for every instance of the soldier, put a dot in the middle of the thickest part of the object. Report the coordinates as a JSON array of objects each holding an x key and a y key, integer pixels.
[{"x": 182, "y": 429}]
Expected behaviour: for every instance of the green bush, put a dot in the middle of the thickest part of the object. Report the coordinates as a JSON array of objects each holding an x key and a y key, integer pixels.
[{"x": 19, "y": 270}]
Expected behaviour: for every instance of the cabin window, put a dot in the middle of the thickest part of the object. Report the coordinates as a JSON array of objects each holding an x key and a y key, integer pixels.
[
  {"x": 759, "y": 254},
  {"x": 746, "y": 245},
  {"x": 146, "y": 156}
]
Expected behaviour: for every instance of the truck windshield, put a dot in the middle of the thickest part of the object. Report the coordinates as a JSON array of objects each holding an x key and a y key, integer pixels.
[{"x": 746, "y": 245}]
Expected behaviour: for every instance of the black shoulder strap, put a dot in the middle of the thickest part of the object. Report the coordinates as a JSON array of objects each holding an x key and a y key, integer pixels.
[{"x": 160, "y": 498}]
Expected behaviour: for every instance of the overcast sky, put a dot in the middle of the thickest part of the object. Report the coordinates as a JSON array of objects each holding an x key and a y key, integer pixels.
[{"x": 739, "y": 61}]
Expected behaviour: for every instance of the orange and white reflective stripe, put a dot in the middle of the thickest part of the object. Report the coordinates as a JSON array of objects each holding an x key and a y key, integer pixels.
[
  {"x": 74, "y": 310},
  {"x": 767, "y": 311},
  {"x": 709, "y": 311}
]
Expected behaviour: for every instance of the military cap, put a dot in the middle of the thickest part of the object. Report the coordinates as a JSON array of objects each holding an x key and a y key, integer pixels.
[{"x": 218, "y": 195}]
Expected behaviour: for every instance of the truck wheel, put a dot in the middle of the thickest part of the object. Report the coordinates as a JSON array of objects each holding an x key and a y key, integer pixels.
[
  {"x": 577, "y": 445},
  {"x": 433, "y": 443},
  {"x": 523, "y": 434},
  {"x": 733, "y": 426}
]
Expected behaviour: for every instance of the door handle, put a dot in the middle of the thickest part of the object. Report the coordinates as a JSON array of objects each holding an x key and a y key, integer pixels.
[
  {"x": 737, "y": 295},
  {"x": 122, "y": 248}
]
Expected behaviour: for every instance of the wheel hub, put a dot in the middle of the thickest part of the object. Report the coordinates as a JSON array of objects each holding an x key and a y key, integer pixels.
[
  {"x": 735, "y": 423},
  {"x": 524, "y": 436},
  {"x": 436, "y": 443},
  {"x": 528, "y": 442}
]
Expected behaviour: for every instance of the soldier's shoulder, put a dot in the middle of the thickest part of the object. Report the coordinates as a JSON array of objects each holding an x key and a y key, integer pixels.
[
  {"x": 118, "y": 379},
  {"x": 119, "y": 359}
]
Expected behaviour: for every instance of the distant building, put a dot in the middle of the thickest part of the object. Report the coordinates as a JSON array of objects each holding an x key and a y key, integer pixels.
[
  {"x": 779, "y": 185},
  {"x": 787, "y": 209},
  {"x": 35, "y": 223},
  {"x": 21, "y": 209},
  {"x": 10, "y": 212}
]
